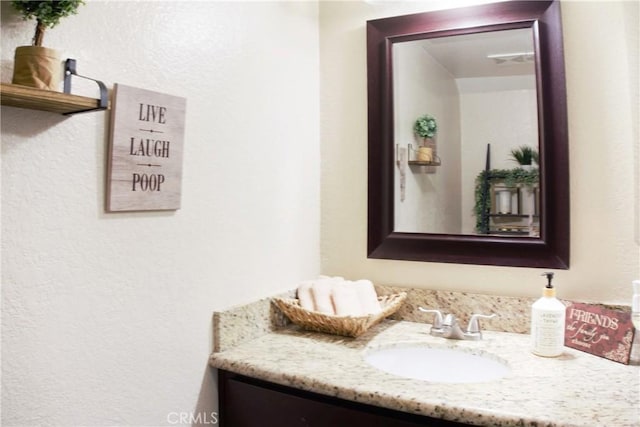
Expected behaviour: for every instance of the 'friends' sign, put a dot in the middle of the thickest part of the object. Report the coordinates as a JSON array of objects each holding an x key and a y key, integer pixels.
[{"x": 599, "y": 331}]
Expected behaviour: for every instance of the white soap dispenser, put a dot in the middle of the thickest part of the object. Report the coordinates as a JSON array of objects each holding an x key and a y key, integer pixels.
[{"x": 547, "y": 322}]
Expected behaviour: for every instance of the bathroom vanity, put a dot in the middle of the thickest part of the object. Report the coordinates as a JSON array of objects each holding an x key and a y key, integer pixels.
[
  {"x": 246, "y": 401},
  {"x": 272, "y": 374}
]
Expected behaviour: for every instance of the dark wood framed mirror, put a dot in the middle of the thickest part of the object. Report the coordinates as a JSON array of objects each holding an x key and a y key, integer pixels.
[{"x": 549, "y": 248}]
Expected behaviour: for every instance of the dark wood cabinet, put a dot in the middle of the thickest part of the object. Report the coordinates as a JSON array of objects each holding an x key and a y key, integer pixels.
[{"x": 247, "y": 402}]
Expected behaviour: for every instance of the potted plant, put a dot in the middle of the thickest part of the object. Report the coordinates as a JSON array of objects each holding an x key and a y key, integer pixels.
[
  {"x": 35, "y": 65},
  {"x": 525, "y": 156},
  {"x": 425, "y": 127}
]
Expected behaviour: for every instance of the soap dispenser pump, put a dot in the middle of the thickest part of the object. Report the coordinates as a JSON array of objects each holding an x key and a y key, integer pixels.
[{"x": 548, "y": 322}]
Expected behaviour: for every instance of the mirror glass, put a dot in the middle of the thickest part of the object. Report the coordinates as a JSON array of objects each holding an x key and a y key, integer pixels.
[
  {"x": 481, "y": 91},
  {"x": 467, "y": 128}
]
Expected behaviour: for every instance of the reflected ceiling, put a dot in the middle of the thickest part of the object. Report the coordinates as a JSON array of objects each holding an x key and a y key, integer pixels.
[{"x": 498, "y": 53}]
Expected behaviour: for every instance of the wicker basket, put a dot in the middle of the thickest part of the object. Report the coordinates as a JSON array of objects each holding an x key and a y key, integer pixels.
[{"x": 350, "y": 326}]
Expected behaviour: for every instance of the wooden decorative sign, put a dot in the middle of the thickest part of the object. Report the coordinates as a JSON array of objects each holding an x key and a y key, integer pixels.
[
  {"x": 145, "y": 163},
  {"x": 599, "y": 331}
]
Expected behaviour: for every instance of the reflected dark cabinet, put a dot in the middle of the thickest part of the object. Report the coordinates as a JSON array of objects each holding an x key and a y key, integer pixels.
[{"x": 247, "y": 402}]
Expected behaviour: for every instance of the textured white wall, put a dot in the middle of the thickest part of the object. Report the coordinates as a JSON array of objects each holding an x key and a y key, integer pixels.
[
  {"x": 602, "y": 91},
  {"x": 106, "y": 318}
]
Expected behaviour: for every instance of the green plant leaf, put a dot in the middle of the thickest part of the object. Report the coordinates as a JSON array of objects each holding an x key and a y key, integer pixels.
[
  {"x": 425, "y": 126},
  {"x": 48, "y": 12},
  {"x": 524, "y": 155}
]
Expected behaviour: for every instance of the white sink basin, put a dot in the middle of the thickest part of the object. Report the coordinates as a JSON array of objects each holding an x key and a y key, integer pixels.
[{"x": 433, "y": 364}]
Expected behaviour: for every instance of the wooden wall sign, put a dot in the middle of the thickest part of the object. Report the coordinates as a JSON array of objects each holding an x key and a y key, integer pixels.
[
  {"x": 599, "y": 331},
  {"x": 145, "y": 162}
]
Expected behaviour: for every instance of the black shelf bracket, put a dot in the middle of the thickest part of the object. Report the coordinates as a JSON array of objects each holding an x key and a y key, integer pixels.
[{"x": 70, "y": 70}]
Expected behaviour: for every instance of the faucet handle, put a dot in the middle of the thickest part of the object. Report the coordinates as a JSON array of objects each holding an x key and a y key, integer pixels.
[
  {"x": 437, "y": 321},
  {"x": 474, "y": 326}
]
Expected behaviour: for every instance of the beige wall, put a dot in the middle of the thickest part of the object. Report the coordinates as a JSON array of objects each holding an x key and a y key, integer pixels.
[
  {"x": 602, "y": 91},
  {"x": 106, "y": 318}
]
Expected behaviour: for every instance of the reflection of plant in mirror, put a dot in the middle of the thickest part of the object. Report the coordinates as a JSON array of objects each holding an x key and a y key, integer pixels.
[
  {"x": 524, "y": 155},
  {"x": 425, "y": 126},
  {"x": 510, "y": 177}
]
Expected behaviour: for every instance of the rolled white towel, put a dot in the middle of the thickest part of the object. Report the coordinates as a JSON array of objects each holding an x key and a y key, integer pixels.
[
  {"x": 335, "y": 278},
  {"x": 305, "y": 296},
  {"x": 345, "y": 299},
  {"x": 321, "y": 291},
  {"x": 367, "y": 296}
]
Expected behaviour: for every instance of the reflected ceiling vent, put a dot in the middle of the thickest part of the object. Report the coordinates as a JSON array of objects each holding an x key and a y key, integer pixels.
[{"x": 512, "y": 58}]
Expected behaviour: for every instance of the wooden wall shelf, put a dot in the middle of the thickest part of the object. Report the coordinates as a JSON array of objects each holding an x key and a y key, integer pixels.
[
  {"x": 421, "y": 163},
  {"x": 46, "y": 100}
]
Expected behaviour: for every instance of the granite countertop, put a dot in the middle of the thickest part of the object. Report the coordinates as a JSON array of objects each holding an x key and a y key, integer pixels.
[{"x": 576, "y": 389}]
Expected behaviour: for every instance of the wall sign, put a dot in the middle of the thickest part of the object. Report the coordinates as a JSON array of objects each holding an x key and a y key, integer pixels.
[
  {"x": 145, "y": 162},
  {"x": 599, "y": 331}
]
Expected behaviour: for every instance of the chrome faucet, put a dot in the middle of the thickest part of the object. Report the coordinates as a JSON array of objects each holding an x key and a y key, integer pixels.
[{"x": 448, "y": 327}]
